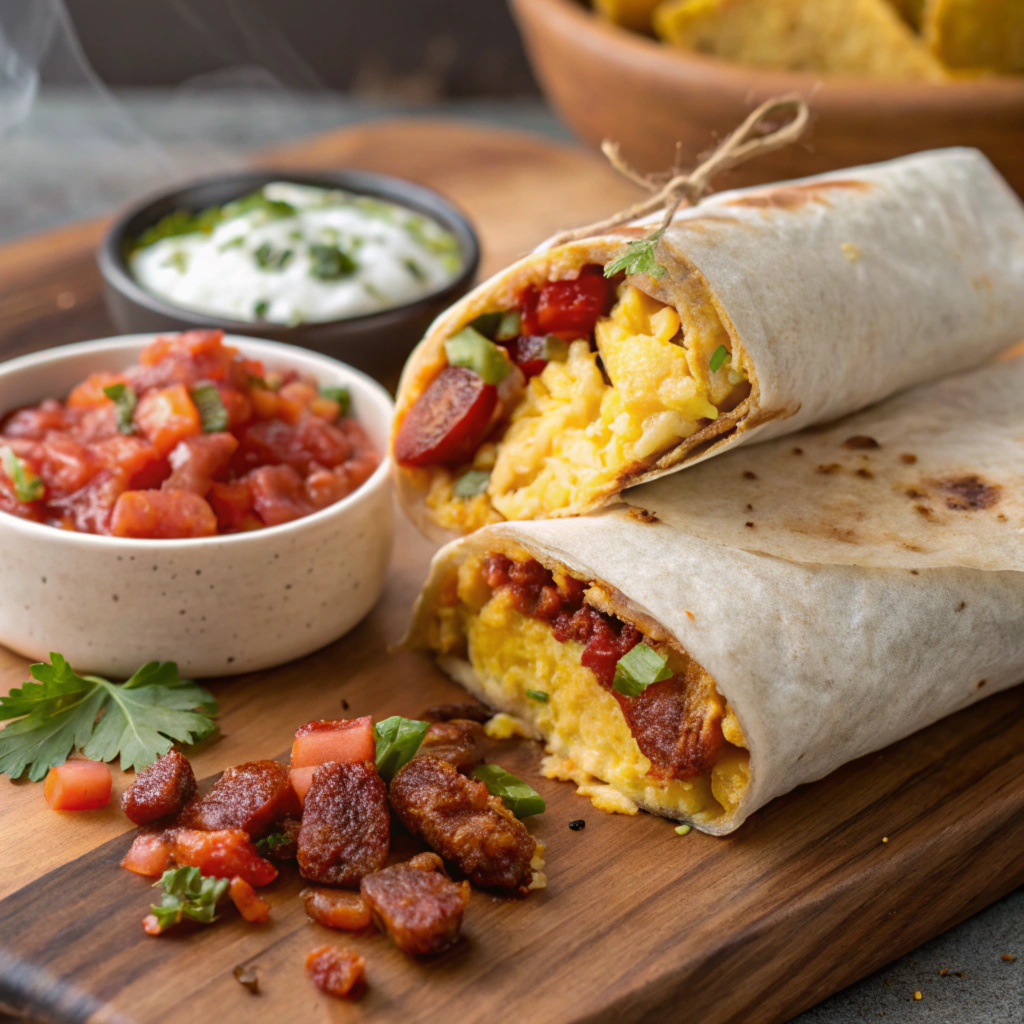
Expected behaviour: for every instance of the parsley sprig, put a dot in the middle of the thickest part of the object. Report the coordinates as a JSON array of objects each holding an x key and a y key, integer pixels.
[
  {"x": 138, "y": 719},
  {"x": 187, "y": 894},
  {"x": 639, "y": 257}
]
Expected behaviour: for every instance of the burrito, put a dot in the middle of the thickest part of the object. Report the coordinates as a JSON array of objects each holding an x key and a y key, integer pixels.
[
  {"x": 726, "y": 634},
  {"x": 552, "y": 387}
]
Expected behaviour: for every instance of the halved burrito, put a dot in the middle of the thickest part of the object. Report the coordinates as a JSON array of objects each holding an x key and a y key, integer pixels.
[
  {"x": 845, "y": 587},
  {"x": 551, "y": 387}
]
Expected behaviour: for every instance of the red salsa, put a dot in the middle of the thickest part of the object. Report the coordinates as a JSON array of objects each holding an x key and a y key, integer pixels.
[{"x": 195, "y": 441}]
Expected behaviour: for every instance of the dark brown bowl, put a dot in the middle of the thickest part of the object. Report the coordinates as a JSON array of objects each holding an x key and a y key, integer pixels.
[{"x": 377, "y": 343}]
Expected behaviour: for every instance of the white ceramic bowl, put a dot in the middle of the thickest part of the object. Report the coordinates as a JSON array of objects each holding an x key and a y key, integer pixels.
[{"x": 215, "y": 605}]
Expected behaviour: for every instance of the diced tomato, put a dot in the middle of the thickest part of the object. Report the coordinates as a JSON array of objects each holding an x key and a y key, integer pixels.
[
  {"x": 302, "y": 779},
  {"x": 196, "y": 461},
  {"x": 90, "y": 391},
  {"x": 162, "y": 514},
  {"x": 278, "y": 494},
  {"x": 239, "y": 408},
  {"x": 294, "y": 400},
  {"x": 148, "y": 855},
  {"x": 35, "y": 423},
  {"x": 448, "y": 422},
  {"x": 78, "y": 786},
  {"x": 223, "y": 854},
  {"x": 326, "y": 408},
  {"x": 310, "y": 441},
  {"x": 264, "y": 403},
  {"x": 232, "y": 504},
  {"x": 326, "y": 486},
  {"x": 339, "y": 739},
  {"x": 90, "y": 508},
  {"x": 338, "y": 972},
  {"x": 168, "y": 416},
  {"x": 251, "y": 906},
  {"x": 571, "y": 306},
  {"x": 65, "y": 464}
]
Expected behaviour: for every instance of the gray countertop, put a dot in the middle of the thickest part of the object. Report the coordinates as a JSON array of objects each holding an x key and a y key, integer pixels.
[{"x": 76, "y": 156}]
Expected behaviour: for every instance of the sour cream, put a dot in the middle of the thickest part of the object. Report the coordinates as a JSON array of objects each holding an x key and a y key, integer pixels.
[{"x": 292, "y": 254}]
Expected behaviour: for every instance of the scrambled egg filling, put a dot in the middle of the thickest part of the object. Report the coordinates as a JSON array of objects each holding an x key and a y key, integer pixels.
[
  {"x": 582, "y": 423},
  {"x": 581, "y": 723}
]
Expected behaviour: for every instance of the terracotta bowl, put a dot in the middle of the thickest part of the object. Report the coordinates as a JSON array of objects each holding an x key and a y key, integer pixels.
[
  {"x": 607, "y": 82},
  {"x": 215, "y": 605}
]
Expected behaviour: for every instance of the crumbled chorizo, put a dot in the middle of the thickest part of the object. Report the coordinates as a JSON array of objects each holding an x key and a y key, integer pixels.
[
  {"x": 338, "y": 972},
  {"x": 465, "y": 824},
  {"x": 337, "y": 908},
  {"x": 345, "y": 830},
  {"x": 285, "y": 850},
  {"x": 249, "y": 797},
  {"x": 160, "y": 790},
  {"x": 457, "y": 742},
  {"x": 420, "y": 908}
]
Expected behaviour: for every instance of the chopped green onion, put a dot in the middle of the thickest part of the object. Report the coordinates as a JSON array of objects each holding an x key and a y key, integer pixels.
[
  {"x": 260, "y": 309},
  {"x": 329, "y": 262},
  {"x": 398, "y": 739},
  {"x": 471, "y": 483},
  {"x": 211, "y": 409},
  {"x": 269, "y": 258},
  {"x": 268, "y": 843},
  {"x": 471, "y": 349},
  {"x": 522, "y": 800},
  {"x": 682, "y": 830},
  {"x": 125, "y": 399},
  {"x": 187, "y": 893},
  {"x": 637, "y": 669},
  {"x": 718, "y": 359},
  {"x": 340, "y": 395},
  {"x": 486, "y": 324},
  {"x": 540, "y": 695},
  {"x": 511, "y": 326},
  {"x": 415, "y": 269},
  {"x": 27, "y": 486}
]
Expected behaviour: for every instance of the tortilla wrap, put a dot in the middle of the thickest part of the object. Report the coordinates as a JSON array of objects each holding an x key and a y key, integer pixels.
[
  {"x": 843, "y": 588},
  {"x": 830, "y": 293}
]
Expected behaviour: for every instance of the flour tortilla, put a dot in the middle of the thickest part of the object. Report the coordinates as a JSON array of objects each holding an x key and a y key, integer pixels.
[
  {"x": 841, "y": 289},
  {"x": 826, "y": 647}
]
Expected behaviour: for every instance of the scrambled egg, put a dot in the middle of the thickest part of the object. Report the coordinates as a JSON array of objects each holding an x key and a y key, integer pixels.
[
  {"x": 574, "y": 434},
  {"x": 581, "y": 722}
]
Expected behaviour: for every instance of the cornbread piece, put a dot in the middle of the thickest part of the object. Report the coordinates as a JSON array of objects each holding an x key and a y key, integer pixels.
[
  {"x": 338, "y": 972},
  {"x": 249, "y": 797},
  {"x": 346, "y": 829},
  {"x": 418, "y": 905},
  {"x": 465, "y": 824},
  {"x": 457, "y": 742},
  {"x": 159, "y": 790}
]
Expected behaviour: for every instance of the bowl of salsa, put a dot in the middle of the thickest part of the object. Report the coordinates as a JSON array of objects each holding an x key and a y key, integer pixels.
[{"x": 223, "y": 501}]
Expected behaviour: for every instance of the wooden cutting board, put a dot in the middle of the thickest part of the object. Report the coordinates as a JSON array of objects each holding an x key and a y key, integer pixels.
[{"x": 636, "y": 923}]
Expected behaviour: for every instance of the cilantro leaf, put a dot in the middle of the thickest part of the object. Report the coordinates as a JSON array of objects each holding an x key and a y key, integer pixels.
[
  {"x": 125, "y": 399},
  {"x": 138, "y": 720},
  {"x": 328, "y": 263},
  {"x": 639, "y": 257},
  {"x": 27, "y": 486},
  {"x": 341, "y": 395},
  {"x": 187, "y": 893},
  {"x": 272, "y": 842}
]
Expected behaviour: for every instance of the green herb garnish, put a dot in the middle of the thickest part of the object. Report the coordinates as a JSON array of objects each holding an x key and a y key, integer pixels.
[
  {"x": 471, "y": 349},
  {"x": 522, "y": 800},
  {"x": 260, "y": 309},
  {"x": 272, "y": 842},
  {"x": 269, "y": 258},
  {"x": 510, "y": 326},
  {"x": 340, "y": 395},
  {"x": 471, "y": 483},
  {"x": 639, "y": 257},
  {"x": 718, "y": 358},
  {"x": 637, "y": 669},
  {"x": 486, "y": 324},
  {"x": 138, "y": 719},
  {"x": 179, "y": 260},
  {"x": 328, "y": 262},
  {"x": 439, "y": 242},
  {"x": 398, "y": 739},
  {"x": 187, "y": 894},
  {"x": 211, "y": 409},
  {"x": 415, "y": 269},
  {"x": 125, "y": 399},
  {"x": 27, "y": 486},
  {"x": 542, "y": 695}
]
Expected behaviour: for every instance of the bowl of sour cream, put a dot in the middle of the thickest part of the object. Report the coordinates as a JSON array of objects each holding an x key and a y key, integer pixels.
[{"x": 349, "y": 263}]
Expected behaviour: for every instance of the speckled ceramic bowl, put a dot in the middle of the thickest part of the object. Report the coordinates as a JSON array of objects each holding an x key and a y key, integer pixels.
[{"x": 215, "y": 605}]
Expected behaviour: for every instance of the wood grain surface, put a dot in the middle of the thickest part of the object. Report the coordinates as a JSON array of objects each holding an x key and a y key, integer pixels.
[{"x": 636, "y": 923}]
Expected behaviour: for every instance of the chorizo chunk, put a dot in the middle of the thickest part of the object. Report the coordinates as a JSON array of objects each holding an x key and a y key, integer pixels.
[
  {"x": 337, "y": 908},
  {"x": 465, "y": 824},
  {"x": 249, "y": 797},
  {"x": 286, "y": 840},
  {"x": 457, "y": 742},
  {"x": 160, "y": 790},
  {"x": 338, "y": 972},
  {"x": 346, "y": 829},
  {"x": 419, "y": 907}
]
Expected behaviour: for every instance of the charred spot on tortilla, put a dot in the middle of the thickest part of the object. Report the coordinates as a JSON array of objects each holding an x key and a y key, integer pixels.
[
  {"x": 968, "y": 493},
  {"x": 750, "y": 508},
  {"x": 749, "y": 474},
  {"x": 830, "y": 467},
  {"x": 642, "y": 515},
  {"x": 913, "y": 493},
  {"x": 792, "y": 197},
  {"x": 798, "y": 451},
  {"x": 907, "y": 458},
  {"x": 861, "y": 441},
  {"x": 981, "y": 683},
  {"x": 961, "y": 606},
  {"x": 751, "y": 525},
  {"x": 865, "y": 473},
  {"x": 924, "y": 510}
]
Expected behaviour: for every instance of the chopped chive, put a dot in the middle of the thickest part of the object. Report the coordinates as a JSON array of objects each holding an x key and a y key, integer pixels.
[
  {"x": 718, "y": 358},
  {"x": 522, "y": 800},
  {"x": 340, "y": 395},
  {"x": 540, "y": 695},
  {"x": 27, "y": 486},
  {"x": 471, "y": 483},
  {"x": 269, "y": 258},
  {"x": 682, "y": 830},
  {"x": 211, "y": 409},
  {"x": 471, "y": 349},
  {"x": 637, "y": 669},
  {"x": 398, "y": 739},
  {"x": 415, "y": 269},
  {"x": 328, "y": 263},
  {"x": 260, "y": 309},
  {"x": 125, "y": 399}
]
